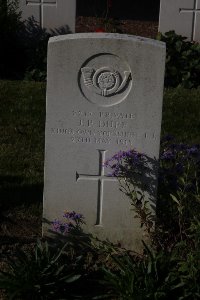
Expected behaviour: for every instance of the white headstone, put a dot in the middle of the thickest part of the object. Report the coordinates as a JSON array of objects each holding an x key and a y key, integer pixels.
[
  {"x": 104, "y": 94},
  {"x": 182, "y": 16},
  {"x": 50, "y": 14}
]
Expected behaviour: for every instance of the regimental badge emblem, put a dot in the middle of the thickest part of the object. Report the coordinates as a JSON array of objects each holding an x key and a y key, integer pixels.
[{"x": 105, "y": 79}]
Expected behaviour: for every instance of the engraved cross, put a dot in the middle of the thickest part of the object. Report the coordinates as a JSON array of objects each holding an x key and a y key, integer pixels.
[
  {"x": 194, "y": 11},
  {"x": 41, "y": 4},
  {"x": 101, "y": 178}
]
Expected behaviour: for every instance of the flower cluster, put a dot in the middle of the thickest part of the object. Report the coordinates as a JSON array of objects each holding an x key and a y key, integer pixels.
[
  {"x": 125, "y": 163},
  {"x": 60, "y": 227},
  {"x": 73, "y": 216},
  {"x": 135, "y": 172},
  {"x": 73, "y": 221},
  {"x": 176, "y": 160}
]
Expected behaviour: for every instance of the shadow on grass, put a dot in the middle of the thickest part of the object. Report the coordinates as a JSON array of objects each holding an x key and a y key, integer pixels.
[
  {"x": 20, "y": 211},
  {"x": 14, "y": 193}
]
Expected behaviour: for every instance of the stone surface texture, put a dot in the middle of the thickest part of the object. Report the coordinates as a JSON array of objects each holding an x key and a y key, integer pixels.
[
  {"x": 183, "y": 16},
  {"x": 104, "y": 94},
  {"x": 50, "y": 14}
]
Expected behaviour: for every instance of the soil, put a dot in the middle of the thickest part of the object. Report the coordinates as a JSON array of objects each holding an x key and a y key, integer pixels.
[{"x": 141, "y": 28}]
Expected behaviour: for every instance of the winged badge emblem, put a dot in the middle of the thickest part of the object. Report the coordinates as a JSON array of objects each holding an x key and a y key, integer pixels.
[{"x": 105, "y": 81}]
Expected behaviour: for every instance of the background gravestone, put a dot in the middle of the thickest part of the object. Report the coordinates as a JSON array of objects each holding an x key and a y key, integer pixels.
[
  {"x": 104, "y": 94},
  {"x": 182, "y": 16},
  {"x": 50, "y": 14}
]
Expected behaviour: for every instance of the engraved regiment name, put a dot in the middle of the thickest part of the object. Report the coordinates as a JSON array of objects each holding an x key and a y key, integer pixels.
[{"x": 102, "y": 128}]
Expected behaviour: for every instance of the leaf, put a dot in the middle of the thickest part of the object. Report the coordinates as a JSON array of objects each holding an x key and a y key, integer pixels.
[
  {"x": 149, "y": 268},
  {"x": 174, "y": 199},
  {"x": 73, "y": 278},
  {"x": 181, "y": 284},
  {"x": 59, "y": 270}
]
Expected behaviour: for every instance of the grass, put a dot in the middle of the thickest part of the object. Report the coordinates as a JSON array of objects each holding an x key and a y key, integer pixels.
[
  {"x": 181, "y": 114},
  {"x": 22, "y": 121},
  {"x": 22, "y": 114}
]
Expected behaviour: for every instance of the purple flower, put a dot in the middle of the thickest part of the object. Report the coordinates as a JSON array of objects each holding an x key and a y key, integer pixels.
[
  {"x": 126, "y": 163},
  {"x": 73, "y": 216},
  {"x": 64, "y": 228},
  {"x": 56, "y": 225},
  {"x": 167, "y": 155},
  {"x": 179, "y": 147},
  {"x": 193, "y": 150},
  {"x": 137, "y": 159},
  {"x": 73, "y": 222},
  {"x": 119, "y": 155}
]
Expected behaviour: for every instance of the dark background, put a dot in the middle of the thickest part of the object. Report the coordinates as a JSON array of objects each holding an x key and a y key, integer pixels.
[{"x": 146, "y": 10}]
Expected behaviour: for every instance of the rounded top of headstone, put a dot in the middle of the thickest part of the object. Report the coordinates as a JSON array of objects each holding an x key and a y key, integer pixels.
[{"x": 111, "y": 36}]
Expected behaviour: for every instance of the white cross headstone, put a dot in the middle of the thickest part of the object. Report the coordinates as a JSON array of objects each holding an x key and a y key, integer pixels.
[
  {"x": 182, "y": 16},
  {"x": 50, "y": 14},
  {"x": 104, "y": 94}
]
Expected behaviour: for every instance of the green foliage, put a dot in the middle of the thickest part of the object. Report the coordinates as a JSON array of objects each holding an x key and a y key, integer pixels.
[
  {"x": 81, "y": 267},
  {"x": 23, "y": 51},
  {"x": 9, "y": 17},
  {"x": 168, "y": 269},
  {"x": 179, "y": 182},
  {"x": 186, "y": 255},
  {"x": 62, "y": 268},
  {"x": 171, "y": 267},
  {"x": 159, "y": 274},
  {"x": 182, "y": 61},
  {"x": 36, "y": 74},
  {"x": 135, "y": 172},
  {"x": 35, "y": 40},
  {"x": 139, "y": 278},
  {"x": 41, "y": 274}
]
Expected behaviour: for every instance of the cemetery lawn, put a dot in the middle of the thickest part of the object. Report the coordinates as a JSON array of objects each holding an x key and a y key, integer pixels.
[
  {"x": 22, "y": 123},
  {"x": 22, "y": 114}
]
